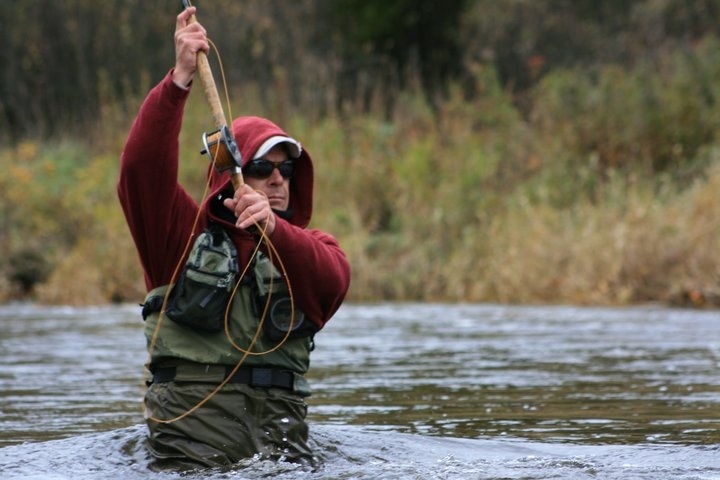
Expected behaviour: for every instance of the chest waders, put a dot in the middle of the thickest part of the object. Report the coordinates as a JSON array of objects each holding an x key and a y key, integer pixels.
[{"x": 260, "y": 410}]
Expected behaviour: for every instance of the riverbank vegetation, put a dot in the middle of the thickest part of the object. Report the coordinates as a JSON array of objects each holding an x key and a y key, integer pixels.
[{"x": 587, "y": 182}]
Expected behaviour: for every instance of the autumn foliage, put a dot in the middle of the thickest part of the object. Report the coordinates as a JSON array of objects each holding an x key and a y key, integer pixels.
[{"x": 530, "y": 168}]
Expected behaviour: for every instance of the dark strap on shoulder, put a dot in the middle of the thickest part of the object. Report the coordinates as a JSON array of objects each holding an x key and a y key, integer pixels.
[{"x": 151, "y": 305}]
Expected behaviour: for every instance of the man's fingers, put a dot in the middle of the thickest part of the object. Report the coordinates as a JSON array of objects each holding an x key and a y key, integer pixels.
[{"x": 183, "y": 17}]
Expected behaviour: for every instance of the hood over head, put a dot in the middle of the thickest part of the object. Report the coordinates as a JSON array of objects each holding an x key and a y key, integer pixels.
[{"x": 255, "y": 136}]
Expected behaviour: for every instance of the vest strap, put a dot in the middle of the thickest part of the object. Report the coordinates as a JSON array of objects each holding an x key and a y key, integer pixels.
[{"x": 152, "y": 305}]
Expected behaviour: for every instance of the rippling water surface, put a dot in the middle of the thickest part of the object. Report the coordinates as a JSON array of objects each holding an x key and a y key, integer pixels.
[{"x": 402, "y": 391}]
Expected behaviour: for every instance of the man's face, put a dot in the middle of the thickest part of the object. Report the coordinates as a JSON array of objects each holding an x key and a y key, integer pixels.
[{"x": 276, "y": 187}]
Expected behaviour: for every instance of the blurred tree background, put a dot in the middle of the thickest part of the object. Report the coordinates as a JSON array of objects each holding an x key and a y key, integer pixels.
[
  {"x": 63, "y": 60},
  {"x": 560, "y": 111}
]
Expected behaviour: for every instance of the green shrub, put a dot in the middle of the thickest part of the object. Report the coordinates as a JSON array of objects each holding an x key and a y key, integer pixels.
[{"x": 653, "y": 118}]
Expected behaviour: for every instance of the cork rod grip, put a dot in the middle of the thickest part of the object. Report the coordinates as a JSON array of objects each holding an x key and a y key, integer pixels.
[{"x": 208, "y": 85}]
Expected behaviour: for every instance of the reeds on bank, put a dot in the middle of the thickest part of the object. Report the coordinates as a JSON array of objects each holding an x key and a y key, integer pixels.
[{"x": 602, "y": 187}]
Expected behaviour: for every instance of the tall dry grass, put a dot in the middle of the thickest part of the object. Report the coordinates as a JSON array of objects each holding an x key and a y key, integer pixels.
[{"x": 465, "y": 198}]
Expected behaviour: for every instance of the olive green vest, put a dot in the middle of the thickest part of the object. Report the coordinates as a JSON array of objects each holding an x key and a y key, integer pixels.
[{"x": 175, "y": 342}]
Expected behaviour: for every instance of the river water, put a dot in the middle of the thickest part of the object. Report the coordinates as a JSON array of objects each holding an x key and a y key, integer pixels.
[{"x": 401, "y": 391}]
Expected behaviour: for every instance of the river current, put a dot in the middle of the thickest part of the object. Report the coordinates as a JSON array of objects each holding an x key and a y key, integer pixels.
[{"x": 400, "y": 391}]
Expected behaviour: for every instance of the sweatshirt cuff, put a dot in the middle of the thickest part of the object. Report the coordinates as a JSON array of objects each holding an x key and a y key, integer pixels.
[{"x": 175, "y": 91}]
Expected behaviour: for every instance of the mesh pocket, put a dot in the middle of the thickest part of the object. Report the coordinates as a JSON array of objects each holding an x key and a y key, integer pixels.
[{"x": 200, "y": 297}]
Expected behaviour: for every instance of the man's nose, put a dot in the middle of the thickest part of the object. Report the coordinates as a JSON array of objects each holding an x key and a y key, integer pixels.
[{"x": 276, "y": 177}]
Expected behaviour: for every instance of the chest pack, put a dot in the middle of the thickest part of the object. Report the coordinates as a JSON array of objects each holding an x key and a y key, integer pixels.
[{"x": 201, "y": 295}]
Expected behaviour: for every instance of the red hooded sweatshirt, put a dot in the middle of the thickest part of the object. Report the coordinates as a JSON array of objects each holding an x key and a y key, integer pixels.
[{"x": 160, "y": 213}]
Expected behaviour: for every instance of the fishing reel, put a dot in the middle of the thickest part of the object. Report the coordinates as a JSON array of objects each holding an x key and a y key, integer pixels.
[{"x": 220, "y": 146}]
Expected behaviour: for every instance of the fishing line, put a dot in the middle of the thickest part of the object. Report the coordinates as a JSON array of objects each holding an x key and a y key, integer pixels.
[
  {"x": 228, "y": 334},
  {"x": 272, "y": 255}
]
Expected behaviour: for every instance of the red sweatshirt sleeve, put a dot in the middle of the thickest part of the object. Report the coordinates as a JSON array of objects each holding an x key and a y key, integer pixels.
[
  {"x": 317, "y": 268},
  {"x": 159, "y": 212}
]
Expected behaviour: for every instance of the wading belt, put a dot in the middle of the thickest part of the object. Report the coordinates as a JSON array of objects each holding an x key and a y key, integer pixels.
[{"x": 253, "y": 376}]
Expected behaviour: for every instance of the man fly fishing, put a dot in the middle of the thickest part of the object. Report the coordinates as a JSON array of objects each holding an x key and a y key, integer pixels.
[{"x": 237, "y": 285}]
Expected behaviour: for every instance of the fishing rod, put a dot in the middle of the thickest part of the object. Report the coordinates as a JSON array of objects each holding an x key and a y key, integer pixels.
[{"x": 220, "y": 144}]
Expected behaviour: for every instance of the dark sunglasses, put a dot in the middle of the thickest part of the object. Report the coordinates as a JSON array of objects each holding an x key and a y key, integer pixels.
[{"x": 262, "y": 168}]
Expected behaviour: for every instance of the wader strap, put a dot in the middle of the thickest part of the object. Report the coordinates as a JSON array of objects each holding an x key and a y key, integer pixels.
[{"x": 255, "y": 377}]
